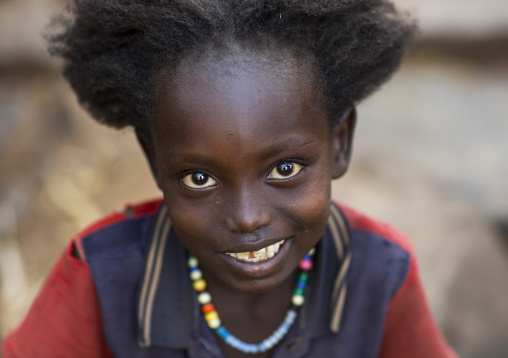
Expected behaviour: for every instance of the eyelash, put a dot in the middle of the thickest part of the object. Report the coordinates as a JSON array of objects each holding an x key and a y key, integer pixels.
[
  {"x": 187, "y": 178},
  {"x": 297, "y": 169}
]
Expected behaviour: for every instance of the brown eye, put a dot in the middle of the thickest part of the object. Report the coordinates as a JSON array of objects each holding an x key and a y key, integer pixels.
[
  {"x": 198, "y": 180},
  {"x": 285, "y": 170}
]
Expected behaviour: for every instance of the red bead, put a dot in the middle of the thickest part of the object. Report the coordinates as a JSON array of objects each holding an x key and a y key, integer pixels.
[
  {"x": 207, "y": 308},
  {"x": 306, "y": 264}
]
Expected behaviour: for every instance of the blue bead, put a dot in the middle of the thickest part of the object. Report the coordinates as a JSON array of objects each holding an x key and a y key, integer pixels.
[
  {"x": 223, "y": 332},
  {"x": 301, "y": 284},
  {"x": 251, "y": 348},
  {"x": 194, "y": 268},
  {"x": 263, "y": 347}
]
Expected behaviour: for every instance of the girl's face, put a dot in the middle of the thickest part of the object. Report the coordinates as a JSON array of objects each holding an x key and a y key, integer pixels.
[{"x": 244, "y": 155}]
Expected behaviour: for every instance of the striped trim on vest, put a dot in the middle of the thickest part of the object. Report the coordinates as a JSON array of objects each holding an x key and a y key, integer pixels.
[
  {"x": 341, "y": 238},
  {"x": 337, "y": 226},
  {"x": 152, "y": 274}
]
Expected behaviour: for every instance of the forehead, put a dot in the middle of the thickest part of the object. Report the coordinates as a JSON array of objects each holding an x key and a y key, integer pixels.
[{"x": 241, "y": 93}]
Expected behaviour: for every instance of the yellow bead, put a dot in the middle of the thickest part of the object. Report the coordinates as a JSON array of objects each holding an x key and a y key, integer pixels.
[
  {"x": 199, "y": 285},
  {"x": 211, "y": 316}
]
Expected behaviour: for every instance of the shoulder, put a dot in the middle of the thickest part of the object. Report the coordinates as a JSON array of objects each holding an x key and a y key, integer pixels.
[
  {"x": 359, "y": 221},
  {"x": 116, "y": 230},
  {"x": 383, "y": 259},
  {"x": 70, "y": 302}
]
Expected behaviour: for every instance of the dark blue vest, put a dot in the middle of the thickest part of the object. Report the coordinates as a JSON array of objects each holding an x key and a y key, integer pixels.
[{"x": 149, "y": 308}]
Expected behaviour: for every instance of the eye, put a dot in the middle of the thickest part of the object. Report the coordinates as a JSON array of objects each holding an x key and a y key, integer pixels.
[
  {"x": 285, "y": 170},
  {"x": 198, "y": 180}
]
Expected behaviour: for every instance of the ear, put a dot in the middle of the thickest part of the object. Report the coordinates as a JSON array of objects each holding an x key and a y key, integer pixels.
[
  {"x": 146, "y": 145},
  {"x": 342, "y": 142}
]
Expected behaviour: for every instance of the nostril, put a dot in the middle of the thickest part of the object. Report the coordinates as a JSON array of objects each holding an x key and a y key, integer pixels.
[
  {"x": 239, "y": 225},
  {"x": 247, "y": 221},
  {"x": 245, "y": 212}
]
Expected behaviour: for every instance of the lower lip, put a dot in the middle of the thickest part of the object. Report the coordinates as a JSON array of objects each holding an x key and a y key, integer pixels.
[{"x": 256, "y": 270}]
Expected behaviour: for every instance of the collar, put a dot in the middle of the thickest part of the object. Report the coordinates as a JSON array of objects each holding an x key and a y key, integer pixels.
[{"x": 168, "y": 312}]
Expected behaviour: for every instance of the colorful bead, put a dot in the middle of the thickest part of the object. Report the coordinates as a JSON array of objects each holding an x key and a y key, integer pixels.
[
  {"x": 199, "y": 285},
  {"x": 195, "y": 274},
  {"x": 211, "y": 316},
  {"x": 301, "y": 284},
  {"x": 207, "y": 308},
  {"x": 204, "y": 298},
  {"x": 297, "y": 300},
  {"x": 213, "y": 320},
  {"x": 214, "y": 324},
  {"x": 193, "y": 262},
  {"x": 298, "y": 291},
  {"x": 223, "y": 332},
  {"x": 303, "y": 276},
  {"x": 306, "y": 264}
]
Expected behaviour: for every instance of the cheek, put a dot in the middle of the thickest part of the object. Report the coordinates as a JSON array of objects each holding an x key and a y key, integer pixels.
[
  {"x": 310, "y": 205},
  {"x": 191, "y": 221}
]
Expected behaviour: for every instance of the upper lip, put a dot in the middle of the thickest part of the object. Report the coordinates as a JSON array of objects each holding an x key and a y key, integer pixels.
[{"x": 255, "y": 246}]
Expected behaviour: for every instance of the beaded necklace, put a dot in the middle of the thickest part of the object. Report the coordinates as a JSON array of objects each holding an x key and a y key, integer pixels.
[{"x": 213, "y": 320}]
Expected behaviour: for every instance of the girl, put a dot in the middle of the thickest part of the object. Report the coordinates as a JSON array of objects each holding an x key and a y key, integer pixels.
[{"x": 246, "y": 112}]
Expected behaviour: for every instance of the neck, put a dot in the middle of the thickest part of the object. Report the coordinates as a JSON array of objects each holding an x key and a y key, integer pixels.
[
  {"x": 222, "y": 293},
  {"x": 251, "y": 317}
]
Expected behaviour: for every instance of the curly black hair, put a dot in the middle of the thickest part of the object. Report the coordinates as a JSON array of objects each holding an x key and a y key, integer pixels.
[{"x": 113, "y": 48}]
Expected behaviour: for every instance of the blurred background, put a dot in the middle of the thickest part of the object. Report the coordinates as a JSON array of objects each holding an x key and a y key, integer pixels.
[{"x": 430, "y": 157}]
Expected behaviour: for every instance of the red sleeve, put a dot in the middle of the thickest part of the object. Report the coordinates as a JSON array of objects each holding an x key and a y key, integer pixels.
[
  {"x": 410, "y": 329},
  {"x": 64, "y": 320}
]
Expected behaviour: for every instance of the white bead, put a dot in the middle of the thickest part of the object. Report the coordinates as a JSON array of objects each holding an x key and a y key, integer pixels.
[
  {"x": 291, "y": 316},
  {"x": 196, "y": 275},
  {"x": 193, "y": 262},
  {"x": 204, "y": 298},
  {"x": 297, "y": 300},
  {"x": 214, "y": 323},
  {"x": 271, "y": 342}
]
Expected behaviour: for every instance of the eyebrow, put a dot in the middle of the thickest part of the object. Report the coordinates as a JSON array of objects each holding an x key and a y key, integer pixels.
[{"x": 291, "y": 143}]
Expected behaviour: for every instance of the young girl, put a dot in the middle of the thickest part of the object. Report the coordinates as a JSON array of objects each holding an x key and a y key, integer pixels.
[{"x": 245, "y": 111}]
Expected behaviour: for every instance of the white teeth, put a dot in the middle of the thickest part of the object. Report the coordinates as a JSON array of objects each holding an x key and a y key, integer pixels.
[
  {"x": 259, "y": 253},
  {"x": 256, "y": 256},
  {"x": 243, "y": 255}
]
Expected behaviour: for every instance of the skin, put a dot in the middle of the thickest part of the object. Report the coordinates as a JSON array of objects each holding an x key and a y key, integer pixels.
[{"x": 233, "y": 121}]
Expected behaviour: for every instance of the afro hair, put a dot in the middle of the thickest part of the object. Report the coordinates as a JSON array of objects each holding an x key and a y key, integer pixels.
[{"x": 113, "y": 48}]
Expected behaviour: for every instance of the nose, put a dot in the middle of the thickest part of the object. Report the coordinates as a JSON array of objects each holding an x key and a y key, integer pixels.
[{"x": 247, "y": 212}]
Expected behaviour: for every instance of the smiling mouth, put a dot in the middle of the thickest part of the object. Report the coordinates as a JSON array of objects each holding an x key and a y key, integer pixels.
[{"x": 257, "y": 256}]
